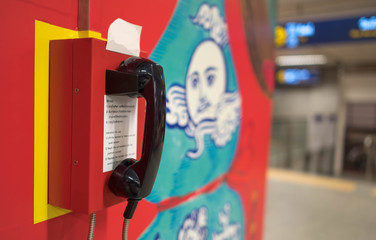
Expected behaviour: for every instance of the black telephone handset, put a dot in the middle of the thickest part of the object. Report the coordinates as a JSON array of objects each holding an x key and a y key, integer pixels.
[{"x": 138, "y": 77}]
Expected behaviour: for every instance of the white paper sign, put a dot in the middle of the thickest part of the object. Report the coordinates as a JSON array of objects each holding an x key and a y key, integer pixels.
[
  {"x": 124, "y": 37},
  {"x": 120, "y": 130}
]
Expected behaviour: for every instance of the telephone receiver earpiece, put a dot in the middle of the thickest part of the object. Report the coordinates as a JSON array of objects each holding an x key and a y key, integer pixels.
[{"x": 138, "y": 77}]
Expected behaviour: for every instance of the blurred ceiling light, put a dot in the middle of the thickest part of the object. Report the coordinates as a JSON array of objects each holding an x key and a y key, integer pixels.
[{"x": 300, "y": 60}]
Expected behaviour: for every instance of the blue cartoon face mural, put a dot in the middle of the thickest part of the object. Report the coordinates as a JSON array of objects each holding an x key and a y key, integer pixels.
[
  {"x": 204, "y": 107},
  {"x": 203, "y": 115},
  {"x": 203, "y": 103}
]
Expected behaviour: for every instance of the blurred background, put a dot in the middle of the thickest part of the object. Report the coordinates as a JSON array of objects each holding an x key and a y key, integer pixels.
[{"x": 322, "y": 160}]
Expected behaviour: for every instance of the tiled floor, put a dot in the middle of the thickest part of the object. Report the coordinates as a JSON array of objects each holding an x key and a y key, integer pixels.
[{"x": 306, "y": 207}]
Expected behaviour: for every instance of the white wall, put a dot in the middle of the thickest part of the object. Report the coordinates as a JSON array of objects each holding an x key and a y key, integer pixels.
[
  {"x": 358, "y": 86},
  {"x": 330, "y": 96},
  {"x": 306, "y": 102},
  {"x": 302, "y": 104}
]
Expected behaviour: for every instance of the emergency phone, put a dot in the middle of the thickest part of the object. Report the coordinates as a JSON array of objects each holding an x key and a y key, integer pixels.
[{"x": 82, "y": 73}]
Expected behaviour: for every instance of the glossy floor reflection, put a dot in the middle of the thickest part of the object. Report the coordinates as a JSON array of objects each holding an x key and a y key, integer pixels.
[{"x": 307, "y": 207}]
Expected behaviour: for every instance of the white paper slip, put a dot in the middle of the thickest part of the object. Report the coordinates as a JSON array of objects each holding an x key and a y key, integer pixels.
[
  {"x": 120, "y": 130},
  {"x": 124, "y": 37}
]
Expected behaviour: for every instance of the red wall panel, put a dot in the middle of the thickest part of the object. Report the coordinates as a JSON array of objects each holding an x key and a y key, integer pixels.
[
  {"x": 16, "y": 104},
  {"x": 246, "y": 175}
]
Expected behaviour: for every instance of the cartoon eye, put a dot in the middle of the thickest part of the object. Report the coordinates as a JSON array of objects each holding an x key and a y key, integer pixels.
[
  {"x": 194, "y": 80},
  {"x": 211, "y": 73},
  {"x": 211, "y": 79}
]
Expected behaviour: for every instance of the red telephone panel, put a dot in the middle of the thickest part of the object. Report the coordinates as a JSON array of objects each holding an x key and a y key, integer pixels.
[{"x": 77, "y": 89}]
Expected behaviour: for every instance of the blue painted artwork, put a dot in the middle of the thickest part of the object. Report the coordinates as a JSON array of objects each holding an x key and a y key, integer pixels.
[
  {"x": 203, "y": 106},
  {"x": 216, "y": 216},
  {"x": 203, "y": 103},
  {"x": 203, "y": 116}
]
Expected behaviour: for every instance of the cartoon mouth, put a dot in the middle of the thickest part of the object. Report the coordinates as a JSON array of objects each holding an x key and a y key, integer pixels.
[{"x": 203, "y": 106}]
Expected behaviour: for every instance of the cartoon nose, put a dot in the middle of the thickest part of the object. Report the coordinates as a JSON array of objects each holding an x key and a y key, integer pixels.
[
  {"x": 202, "y": 95},
  {"x": 203, "y": 99},
  {"x": 201, "y": 92}
]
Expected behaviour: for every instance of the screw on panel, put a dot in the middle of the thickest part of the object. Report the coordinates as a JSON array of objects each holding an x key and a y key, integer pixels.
[
  {"x": 76, "y": 90},
  {"x": 75, "y": 162}
]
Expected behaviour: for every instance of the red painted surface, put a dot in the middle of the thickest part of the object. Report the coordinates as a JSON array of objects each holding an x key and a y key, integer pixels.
[
  {"x": 60, "y": 123},
  {"x": 247, "y": 175},
  {"x": 17, "y": 19}
]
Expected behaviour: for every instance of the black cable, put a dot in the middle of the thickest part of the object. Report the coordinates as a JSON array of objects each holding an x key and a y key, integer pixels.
[
  {"x": 128, "y": 214},
  {"x": 131, "y": 207}
]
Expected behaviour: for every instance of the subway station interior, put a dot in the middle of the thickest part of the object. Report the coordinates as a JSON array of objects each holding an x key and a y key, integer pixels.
[
  {"x": 321, "y": 179},
  {"x": 188, "y": 119}
]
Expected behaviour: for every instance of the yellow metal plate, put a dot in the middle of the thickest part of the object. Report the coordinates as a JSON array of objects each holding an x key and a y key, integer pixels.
[{"x": 45, "y": 32}]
